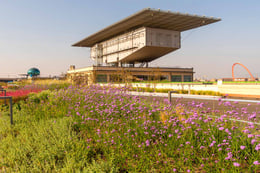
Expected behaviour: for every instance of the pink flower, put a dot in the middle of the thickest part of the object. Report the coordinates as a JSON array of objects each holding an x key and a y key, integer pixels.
[
  {"x": 236, "y": 164},
  {"x": 147, "y": 142},
  {"x": 256, "y": 163},
  {"x": 242, "y": 147},
  {"x": 229, "y": 156},
  {"x": 221, "y": 128},
  {"x": 257, "y": 147},
  {"x": 253, "y": 141},
  {"x": 250, "y": 136}
]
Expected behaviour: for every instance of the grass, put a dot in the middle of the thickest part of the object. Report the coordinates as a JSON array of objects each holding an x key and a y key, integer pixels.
[
  {"x": 46, "y": 145},
  {"x": 102, "y": 129}
]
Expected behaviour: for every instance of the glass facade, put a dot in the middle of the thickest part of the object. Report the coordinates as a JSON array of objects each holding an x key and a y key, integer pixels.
[
  {"x": 141, "y": 77},
  {"x": 176, "y": 78},
  {"x": 187, "y": 78},
  {"x": 164, "y": 78},
  {"x": 101, "y": 78}
]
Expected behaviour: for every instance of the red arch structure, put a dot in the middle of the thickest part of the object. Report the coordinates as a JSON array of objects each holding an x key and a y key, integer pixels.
[{"x": 233, "y": 76}]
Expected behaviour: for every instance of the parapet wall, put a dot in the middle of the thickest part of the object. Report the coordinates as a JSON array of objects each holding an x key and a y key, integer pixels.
[
  {"x": 178, "y": 86},
  {"x": 252, "y": 90},
  {"x": 249, "y": 90}
]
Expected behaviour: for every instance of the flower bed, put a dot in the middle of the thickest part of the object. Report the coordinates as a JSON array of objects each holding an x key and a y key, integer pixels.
[
  {"x": 143, "y": 136},
  {"x": 20, "y": 94}
]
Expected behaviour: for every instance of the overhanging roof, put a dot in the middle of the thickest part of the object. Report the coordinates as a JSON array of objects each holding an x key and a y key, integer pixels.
[{"x": 148, "y": 18}]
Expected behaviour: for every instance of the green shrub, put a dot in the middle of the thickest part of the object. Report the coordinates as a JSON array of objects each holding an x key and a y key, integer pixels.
[
  {"x": 37, "y": 97},
  {"x": 101, "y": 166},
  {"x": 42, "y": 146}
]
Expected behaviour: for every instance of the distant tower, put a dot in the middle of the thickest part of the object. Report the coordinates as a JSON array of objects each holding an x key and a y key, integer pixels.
[{"x": 33, "y": 72}]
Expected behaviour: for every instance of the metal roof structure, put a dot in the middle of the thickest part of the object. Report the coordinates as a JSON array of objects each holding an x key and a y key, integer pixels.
[{"x": 148, "y": 18}]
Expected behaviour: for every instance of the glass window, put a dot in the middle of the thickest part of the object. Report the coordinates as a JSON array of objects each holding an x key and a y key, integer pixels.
[
  {"x": 101, "y": 78},
  {"x": 176, "y": 78},
  {"x": 187, "y": 78},
  {"x": 168, "y": 39},
  {"x": 164, "y": 78},
  {"x": 140, "y": 77}
]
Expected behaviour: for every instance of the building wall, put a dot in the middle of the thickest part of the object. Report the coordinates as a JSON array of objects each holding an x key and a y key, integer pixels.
[
  {"x": 162, "y": 38},
  {"x": 119, "y": 47},
  {"x": 115, "y": 74}
]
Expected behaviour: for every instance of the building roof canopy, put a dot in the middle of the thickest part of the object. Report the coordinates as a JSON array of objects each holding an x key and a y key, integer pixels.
[{"x": 148, "y": 18}]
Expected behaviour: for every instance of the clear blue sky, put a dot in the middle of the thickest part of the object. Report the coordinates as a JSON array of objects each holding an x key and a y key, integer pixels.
[{"x": 40, "y": 34}]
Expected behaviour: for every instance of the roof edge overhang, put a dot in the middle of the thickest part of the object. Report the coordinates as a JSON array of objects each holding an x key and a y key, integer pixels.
[{"x": 131, "y": 22}]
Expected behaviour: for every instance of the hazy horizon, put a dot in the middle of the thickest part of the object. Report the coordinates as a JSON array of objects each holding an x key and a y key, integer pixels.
[{"x": 40, "y": 34}]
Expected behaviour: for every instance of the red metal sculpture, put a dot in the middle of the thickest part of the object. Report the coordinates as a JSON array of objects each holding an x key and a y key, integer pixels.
[{"x": 233, "y": 76}]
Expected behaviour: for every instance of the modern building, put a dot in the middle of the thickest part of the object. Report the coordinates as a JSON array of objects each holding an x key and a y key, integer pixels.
[{"x": 127, "y": 47}]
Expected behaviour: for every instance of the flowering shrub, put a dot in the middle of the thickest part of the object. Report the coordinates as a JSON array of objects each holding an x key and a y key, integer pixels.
[
  {"x": 151, "y": 135},
  {"x": 20, "y": 91},
  {"x": 21, "y": 94}
]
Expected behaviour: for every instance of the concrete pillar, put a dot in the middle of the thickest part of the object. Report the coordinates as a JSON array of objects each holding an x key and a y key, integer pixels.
[
  {"x": 108, "y": 78},
  {"x": 169, "y": 77}
]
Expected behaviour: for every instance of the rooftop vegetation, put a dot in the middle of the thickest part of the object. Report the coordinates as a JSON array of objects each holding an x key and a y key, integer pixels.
[{"x": 103, "y": 129}]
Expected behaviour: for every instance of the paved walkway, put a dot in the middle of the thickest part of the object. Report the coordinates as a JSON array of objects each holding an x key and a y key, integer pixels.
[
  {"x": 190, "y": 96},
  {"x": 211, "y": 101}
]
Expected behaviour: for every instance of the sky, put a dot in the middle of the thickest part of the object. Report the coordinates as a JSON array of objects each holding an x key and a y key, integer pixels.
[{"x": 36, "y": 33}]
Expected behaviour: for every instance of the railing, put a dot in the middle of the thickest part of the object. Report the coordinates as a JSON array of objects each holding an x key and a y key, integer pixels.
[
  {"x": 3, "y": 90},
  {"x": 170, "y": 95},
  {"x": 10, "y": 104}
]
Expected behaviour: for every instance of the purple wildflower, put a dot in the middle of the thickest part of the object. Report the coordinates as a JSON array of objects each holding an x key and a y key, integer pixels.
[
  {"x": 253, "y": 141},
  {"x": 229, "y": 156},
  {"x": 236, "y": 164},
  {"x": 147, "y": 142},
  {"x": 250, "y": 136},
  {"x": 242, "y": 147},
  {"x": 256, "y": 163}
]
